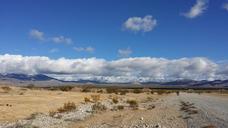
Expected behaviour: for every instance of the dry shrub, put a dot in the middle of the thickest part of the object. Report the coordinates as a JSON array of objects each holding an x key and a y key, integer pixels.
[
  {"x": 178, "y": 93},
  {"x": 120, "y": 107},
  {"x": 150, "y": 107},
  {"x": 209, "y": 126},
  {"x": 98, "y": 107},
  {"x": 111, "y": 90},
  {"x": 133, "y": 104},
  {"x": 160, "y": 92},
  {"x": 95, "y": 98},
  {"x": 30, "y": 86},
  {"x": 6, "y": 89},
  {"x": 115, "y": 100},
  {"x": 86, "y": 99},
  {"x": 100, "y": 91},
  {"x": 66, "y": 88},
  {"x": 52, "y": 113},
  {"x": 69, "y": 106},
  {"x": 137, "y": 91},
  {"x": 86, "y": 89},
  {"x": 21, "y": 93},
  {"x": 123, "y": 92}
]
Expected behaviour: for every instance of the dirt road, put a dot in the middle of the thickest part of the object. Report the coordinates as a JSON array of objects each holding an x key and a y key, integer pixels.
[{"x": 208, "y": 109}]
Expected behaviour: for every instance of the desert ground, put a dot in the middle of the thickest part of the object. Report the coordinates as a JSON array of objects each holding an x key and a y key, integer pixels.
[{"x": 102, "y": 108}]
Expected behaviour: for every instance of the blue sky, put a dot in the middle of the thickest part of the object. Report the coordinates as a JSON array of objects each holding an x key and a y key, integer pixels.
[
  {"x": 120, "y": 40},
  {"x": 99, "y": 24}
]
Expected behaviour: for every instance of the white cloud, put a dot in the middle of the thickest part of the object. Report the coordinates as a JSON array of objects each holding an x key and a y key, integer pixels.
[
  {"x": 137, "y": 24},
  {"x": 53, "y": 50},
  {"x": 86, "y": 49},
  {"x": 36, "y": 34},
  {"x": 62, "y": 39},
  {"x": 225, "y": 6},
  {"x": 123, "y": 70},
  {"x": 197, "y": 9},
  {"x": 124, "y": 52}
]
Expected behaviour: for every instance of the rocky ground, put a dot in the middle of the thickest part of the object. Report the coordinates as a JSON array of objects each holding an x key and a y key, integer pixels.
[{"x": 188, "y": 110}]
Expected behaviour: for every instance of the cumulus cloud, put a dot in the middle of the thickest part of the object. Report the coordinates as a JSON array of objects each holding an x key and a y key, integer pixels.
[
  {"x": 197, "y": 9},
  {"x": 139, "y": 69},
  {"x": 225, "y": 6},
  {"x": 36, "y": 34},
  {"x": 62, "y": 39},
  {"x": 86, "y": 49},
  {"x": 124, "y": 52},
  {"x": 143, "y": 24}
]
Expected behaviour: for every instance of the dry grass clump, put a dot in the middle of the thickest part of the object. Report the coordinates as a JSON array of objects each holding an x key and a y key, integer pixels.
[
  {"x": 97, "y": 107},
  {"x": 30, "y": 86},
  {"x": 86, "y": 99},
  {"x": 133, "y": 104},
  {"x": 209, "y": 126},
  {"x": 112, "y": 90},
  {"x": 115, "y": 100},
  {"x": 95, "y": 98},
  {"x": 120, "y": 107},
  {"x": 86, "y": 89},
  {"x": 137, "y": 91},
  {"x": 161, "y": 92},
  {"x": 52, "y": 113},
  {"x": 69, "y": 106},
  {"x": 188, "y": 108},
  {"x": 66, "y": 88},
  {"x": 6, "y": 89},
  {"x": 150, "y": 107},
  {"x": 100, "y": 91}
]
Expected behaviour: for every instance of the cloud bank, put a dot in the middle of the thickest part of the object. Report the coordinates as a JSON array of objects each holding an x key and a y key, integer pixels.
[
  {"x": 140, "y": 69},
  {"x": 143, "y": 24},
  {"x": 197, "y": 9}
]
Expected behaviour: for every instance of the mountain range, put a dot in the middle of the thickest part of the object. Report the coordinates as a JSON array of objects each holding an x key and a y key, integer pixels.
[{"x": 40, "y": 79}]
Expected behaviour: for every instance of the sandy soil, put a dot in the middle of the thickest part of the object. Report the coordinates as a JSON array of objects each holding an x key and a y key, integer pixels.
[
  {"x": 188, "y": 110},
  {"x": 20, "y": 103}
]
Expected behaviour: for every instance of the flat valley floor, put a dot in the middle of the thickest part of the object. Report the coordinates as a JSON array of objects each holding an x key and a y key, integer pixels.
[{"x": 38, "y": 108}]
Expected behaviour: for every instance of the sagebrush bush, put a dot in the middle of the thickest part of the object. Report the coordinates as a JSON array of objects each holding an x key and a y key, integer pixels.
[
  {"x": 137, "y": 91},
  {"x": 6, "y": 89},
  {"x": 69, "y": 106},
  {"x": 66, "y": 88},
  {"x": 98, "y": 107},
  {"x": 133, "y": 104},
  {"x": 120, "y": 107},
  {"x": 95, "y": 98},
  {"x": 115, "y": 100},
  {"x": 86, "y": 99}
]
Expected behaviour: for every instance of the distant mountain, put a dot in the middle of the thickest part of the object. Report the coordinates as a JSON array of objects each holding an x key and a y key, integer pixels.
[
  {"x": 24, "y": 77},
  {"x": 191, "y": 83},
  {"x": 43, "y": 80}
]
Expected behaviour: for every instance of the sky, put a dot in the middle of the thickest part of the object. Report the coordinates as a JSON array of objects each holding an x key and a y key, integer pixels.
[{"x": 130, "y": 40}]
